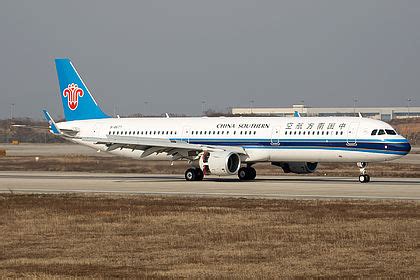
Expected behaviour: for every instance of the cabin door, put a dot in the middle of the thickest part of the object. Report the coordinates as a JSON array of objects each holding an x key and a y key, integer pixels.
[
  {"x": 275, "y": 136},
  {"x": 352, "y": 134},
  {"x": 186, "y": 132}
]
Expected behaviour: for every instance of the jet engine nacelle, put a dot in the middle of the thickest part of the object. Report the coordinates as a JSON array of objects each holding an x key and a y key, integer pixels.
[
  {"x": 220, "y": 163},
  {"x": 297, "y": 167}
]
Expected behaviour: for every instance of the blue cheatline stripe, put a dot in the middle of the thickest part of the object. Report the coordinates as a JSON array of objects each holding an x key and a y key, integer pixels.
[
  {"x": 330, "y": 149},
  {"x": 400, "y": 148},
  {"x": 295, "y": 140}
]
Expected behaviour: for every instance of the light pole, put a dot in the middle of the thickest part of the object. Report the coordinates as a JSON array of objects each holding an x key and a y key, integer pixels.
[
  {"x": 302, "y": 102},
  {"x": 12, "y": 108},
  {"x": 203, "y": 107},
  {"x": 355, "y": 100},
  {"x": 115, "y": 111},
  {"x": 145, "y": 107},
  {"x": 9, "y": 135},
  {"x": 251, "y": 105},
  {"x": 408, "y": 107}
]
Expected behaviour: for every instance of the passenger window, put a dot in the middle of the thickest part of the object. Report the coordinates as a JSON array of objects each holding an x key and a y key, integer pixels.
[
  {"x": 381, "y": 132},
  {"x": 390, "y": 132}
]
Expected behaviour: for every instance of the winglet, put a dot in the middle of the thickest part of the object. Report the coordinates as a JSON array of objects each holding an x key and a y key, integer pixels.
[
  {"x": 53, "y": 127},
  {"x": 296, "y": 114}
]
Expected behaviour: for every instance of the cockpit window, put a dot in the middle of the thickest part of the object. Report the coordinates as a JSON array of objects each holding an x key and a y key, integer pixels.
[
  {"x": 374, "y": 132},
  {"x": 381, "y": 132},
  {"x": 390, "y": 132}
]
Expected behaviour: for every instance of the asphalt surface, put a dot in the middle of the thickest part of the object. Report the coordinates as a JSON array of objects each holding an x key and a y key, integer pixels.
[{"x": 290, "y": 187}]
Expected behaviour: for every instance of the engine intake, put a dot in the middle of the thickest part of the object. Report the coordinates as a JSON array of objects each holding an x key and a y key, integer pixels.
[
  {"x": 297, "y": 167},
  {"x": 221, "y": 163}
]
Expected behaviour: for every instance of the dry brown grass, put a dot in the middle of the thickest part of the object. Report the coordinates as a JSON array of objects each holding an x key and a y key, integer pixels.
[
  {"x": 126, "y": 165},
  {"x": 67, "y": 236},
  {"x": 409, "y": 128}
]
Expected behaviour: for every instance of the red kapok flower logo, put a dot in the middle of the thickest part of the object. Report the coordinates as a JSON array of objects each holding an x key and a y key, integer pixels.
[{"x": 72, "y": 92}]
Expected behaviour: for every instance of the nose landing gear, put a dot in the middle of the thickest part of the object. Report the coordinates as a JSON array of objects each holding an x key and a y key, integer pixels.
[{"x": 363, "y": 177}]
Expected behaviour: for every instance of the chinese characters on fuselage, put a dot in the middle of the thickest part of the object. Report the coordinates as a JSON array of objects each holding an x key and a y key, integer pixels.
[{"x": 314, "y": 126}]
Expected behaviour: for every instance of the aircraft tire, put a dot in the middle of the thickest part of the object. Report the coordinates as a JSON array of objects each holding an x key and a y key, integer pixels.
[
  {"x": 200, "y": 174},
  {"x": 190, "y": 174},
  {"x": 246, "y": 173}
]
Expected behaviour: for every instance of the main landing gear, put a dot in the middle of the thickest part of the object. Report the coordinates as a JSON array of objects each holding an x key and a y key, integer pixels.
[
  {"x": 247, "y": 173},
  {"x": 194, "y": 174},
  {"x": 363, "y": 177}
]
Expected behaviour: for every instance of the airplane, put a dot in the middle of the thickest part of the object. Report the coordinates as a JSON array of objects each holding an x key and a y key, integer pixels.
[{"x": 224, "y": 145}]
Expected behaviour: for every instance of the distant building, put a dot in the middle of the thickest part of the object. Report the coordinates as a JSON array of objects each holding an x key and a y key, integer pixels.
[{"x": 380, "y": 113}]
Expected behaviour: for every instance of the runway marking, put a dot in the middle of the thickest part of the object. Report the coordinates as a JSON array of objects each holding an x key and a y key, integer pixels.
[{"x": 267, "y": 195}]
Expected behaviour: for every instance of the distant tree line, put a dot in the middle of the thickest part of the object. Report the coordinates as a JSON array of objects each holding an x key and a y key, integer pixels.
[{"x": 8, "y": 133}]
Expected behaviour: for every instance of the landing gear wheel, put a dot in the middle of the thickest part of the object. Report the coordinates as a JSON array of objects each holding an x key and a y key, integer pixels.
[
  {"x": 194, "y": 174},
  {"x": 242, "y": 174},
  {"x": 200, "y": 174},
  {"x": 252, "y": 173},
  {"x": 364, "y": 178},
  {"x": 190, "y": 174},
  {"x": 247, "y": 173}
]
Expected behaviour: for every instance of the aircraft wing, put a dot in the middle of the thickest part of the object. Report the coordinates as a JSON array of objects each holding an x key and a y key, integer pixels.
[{"x": 178, "y": 149}]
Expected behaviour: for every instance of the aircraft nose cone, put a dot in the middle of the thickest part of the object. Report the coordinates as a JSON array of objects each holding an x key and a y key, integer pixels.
[{"x": 408, "y": 149}]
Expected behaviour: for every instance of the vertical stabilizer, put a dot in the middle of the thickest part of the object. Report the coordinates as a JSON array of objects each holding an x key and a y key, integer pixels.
[{"x": 78, "y": 103}]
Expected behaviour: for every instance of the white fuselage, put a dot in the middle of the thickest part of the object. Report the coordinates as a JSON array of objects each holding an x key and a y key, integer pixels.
[{"x": 265, "y": 139}]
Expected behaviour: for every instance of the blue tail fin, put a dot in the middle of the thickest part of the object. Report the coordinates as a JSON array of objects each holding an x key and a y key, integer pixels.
[{"x": 78, "y": 103}]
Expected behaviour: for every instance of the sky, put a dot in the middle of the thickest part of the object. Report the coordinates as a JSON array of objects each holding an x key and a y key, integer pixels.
[{"x": 159, "y": 56}]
